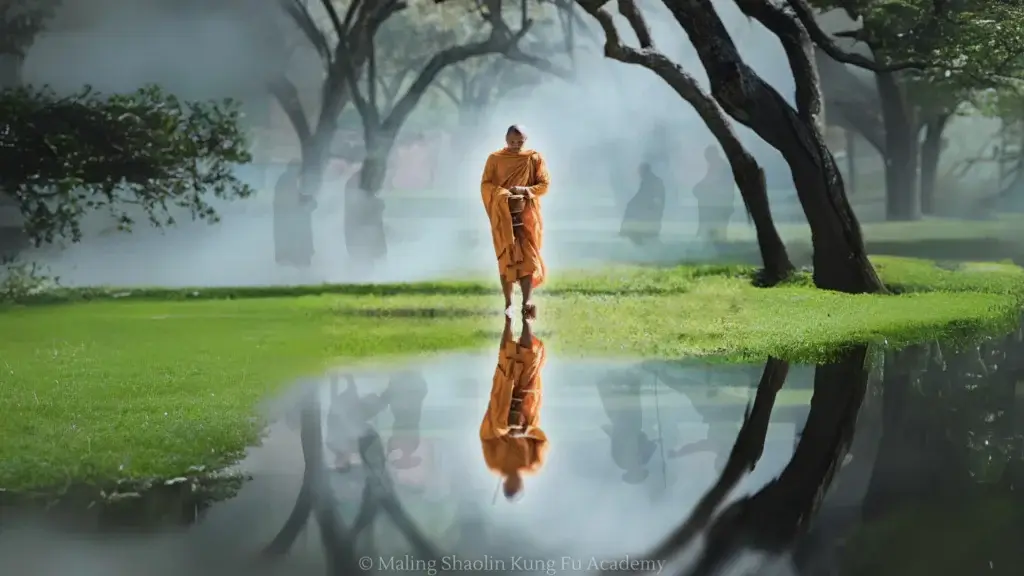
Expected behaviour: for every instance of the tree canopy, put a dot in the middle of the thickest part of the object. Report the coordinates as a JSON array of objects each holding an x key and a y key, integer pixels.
[{"x": 65, "y": 156}]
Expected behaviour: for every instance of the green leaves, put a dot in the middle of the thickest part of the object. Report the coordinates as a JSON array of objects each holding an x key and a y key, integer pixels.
[{"x": 65, "y": 156}]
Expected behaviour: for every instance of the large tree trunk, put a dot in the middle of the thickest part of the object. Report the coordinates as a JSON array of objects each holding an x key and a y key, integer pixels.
[
  {"x": 840, "y": 261},
  {"x": 902, "y": 196},
  {"x": 931, "y": 150}
]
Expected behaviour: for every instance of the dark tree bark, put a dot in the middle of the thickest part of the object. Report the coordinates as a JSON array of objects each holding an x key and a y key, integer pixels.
[
  {"x": 917, "y": 457},
  {"x": 746, "y": 171},
  {"x": 772, "y": 518},
  {"x": 840, "y": 261},
  {"x": 316, "y": 136},
  {"x": 746, "y": 452},
  {"x": 902, "y": 195},
  {"x": 931, "y": 151}
]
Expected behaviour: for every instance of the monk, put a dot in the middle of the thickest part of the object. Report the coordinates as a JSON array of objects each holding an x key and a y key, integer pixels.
[
  {"x": 716, "y": 198},
  {"x": 513, "y": 182},
  {"x": 641, "y": 221},
  {"x": 293, "y": 220},
  {"x": 510, "y": 435}
]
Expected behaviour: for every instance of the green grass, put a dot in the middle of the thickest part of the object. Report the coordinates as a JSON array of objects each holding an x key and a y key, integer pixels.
[{"x": 102, "y": 384}]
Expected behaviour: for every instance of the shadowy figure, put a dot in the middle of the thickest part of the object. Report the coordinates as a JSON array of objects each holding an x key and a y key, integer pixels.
[
  {"x": 364, "y": 225},
  {"x": 510, "y": 435},
  {"x": 641, "y": 221},
  {"x": 513, "y": 181},
  {"x": 348, "y": 418},
  {"x": 716, "y": 198},
  {"x": 631, "y": 448},
  {"x": 293, "y": 220},
  {"x": 316, "y": 497},
  {"x": 405, "y": 395}
]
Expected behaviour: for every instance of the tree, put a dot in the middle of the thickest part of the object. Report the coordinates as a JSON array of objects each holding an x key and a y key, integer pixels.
[
  {"x": 747, "y": 172},
  {"x": 840, "y": 261},
  {"x": 65, "y": 156},
  {"x": 381, "y": 125},
  {"x": 353, "y": 64},
  {"x": 475, "y": 86},
  {"x": 947, "y": 52},
  {"x": 62, "y": 157},
  {"x": 316, "y": 132}
]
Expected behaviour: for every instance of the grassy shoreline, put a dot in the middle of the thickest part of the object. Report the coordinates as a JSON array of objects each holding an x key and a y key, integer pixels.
[{"x": 103, "y": 384}]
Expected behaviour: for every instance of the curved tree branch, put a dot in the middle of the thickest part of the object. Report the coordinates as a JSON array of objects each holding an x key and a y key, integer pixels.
[
  {"x": 802, "y": 10},
  {"x": 748, "y": 174},
  {"x": 799, "y": 51}
]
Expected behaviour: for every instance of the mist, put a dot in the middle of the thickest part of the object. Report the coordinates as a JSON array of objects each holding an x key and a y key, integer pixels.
[
  {"x": 560, "y": 513},
  {"x": 593, "y": 132}
]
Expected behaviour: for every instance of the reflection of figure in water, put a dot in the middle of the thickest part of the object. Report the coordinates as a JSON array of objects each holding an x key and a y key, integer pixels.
[
  {"x": 716, "y": 198},
  {"x": 513, "y": 181},
  {"x": 293, "y": 220},
  {"x": 513, "y": 443},
  {"x": 364, "y": 224},
  {"x": 350, "y": 414},
  {"x": 720, "y": 439},
  {"x": 348, "y": 418},
  {"x": 631, "y": 448},
  {"x": 641, "y": 222},
  {"x": 405, "y": 395}
]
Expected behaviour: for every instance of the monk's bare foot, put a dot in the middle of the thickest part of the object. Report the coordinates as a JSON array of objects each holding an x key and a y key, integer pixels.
[
  {"x": 508, "y": 310},
  {"x": 530, "y": 311}
]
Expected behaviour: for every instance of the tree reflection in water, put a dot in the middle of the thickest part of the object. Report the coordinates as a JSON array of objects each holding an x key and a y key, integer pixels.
[
  {"x": 939, "y": 442},
  {"x": 339, "y": 541}
]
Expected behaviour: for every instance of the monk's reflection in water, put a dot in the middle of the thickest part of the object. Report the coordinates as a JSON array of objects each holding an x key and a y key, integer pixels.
[
  {"x": 510, "y": 435},
  {"x": 631, "y": 448}
]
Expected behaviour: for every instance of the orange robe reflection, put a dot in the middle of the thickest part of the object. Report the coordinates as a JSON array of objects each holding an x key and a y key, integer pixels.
[
  {"x": 518, "y": 255},
  {"x": 513, "y": 443}
]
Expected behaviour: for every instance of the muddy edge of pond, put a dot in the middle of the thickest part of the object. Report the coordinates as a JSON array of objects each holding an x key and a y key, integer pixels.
[{"x": 125, "y": 504}]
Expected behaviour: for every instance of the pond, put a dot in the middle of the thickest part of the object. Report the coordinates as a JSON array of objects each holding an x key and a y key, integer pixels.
[{"x": 882, "y": 462}]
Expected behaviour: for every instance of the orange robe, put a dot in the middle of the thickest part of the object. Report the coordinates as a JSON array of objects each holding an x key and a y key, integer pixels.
[
  {"x": 516, "y": 375},
  {"x": 518, "y": 257}
]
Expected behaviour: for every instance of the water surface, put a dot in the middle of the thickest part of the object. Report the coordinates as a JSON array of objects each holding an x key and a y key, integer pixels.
[{"x": 896, "y": 453}]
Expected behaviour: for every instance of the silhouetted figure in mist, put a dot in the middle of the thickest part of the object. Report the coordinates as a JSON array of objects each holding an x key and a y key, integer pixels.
[
  {"x": 631, "y": 448},
  {"x": 641, "y": 222},
  {"x": 716, "y": 198},
  {"x": 364, "y": 225},
  {"x": 293, "y": 220}
]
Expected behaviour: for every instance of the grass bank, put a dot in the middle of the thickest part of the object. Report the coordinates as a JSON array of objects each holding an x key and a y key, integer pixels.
[{"x": 101, "y": 384}]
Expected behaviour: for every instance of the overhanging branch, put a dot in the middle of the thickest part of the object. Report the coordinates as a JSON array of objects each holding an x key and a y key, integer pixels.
[
  {"x": 799, "y": 51},
  {"x": 500, "y": 41},
  {"x": 805, "y": 15}
]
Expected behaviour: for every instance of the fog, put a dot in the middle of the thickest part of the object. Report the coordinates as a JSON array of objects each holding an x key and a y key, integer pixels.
[
  {"x": 594, "y": 133},
  {"x": 562, "y": 512}
]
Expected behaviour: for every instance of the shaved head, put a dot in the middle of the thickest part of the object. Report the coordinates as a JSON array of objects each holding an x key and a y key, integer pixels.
[{"x": 515, "y": 137}]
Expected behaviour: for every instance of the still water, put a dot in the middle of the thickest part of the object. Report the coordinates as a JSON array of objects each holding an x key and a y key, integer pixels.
[{"x": 898, "y": 463}]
